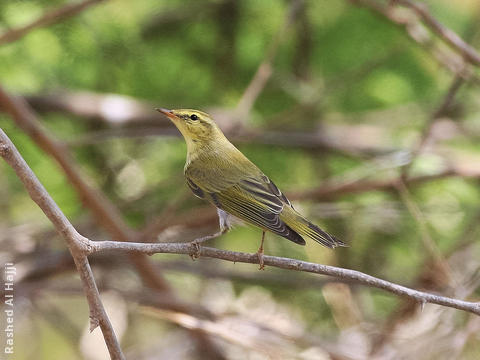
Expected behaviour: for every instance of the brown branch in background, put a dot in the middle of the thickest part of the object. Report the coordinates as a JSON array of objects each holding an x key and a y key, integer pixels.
[
  {"x": 183, "y": 13},
  {"x": 329, "y": 191},
  {"x": 265, "y": 69},
  {"x": 450, "y": 37},
  {"x": 111, "y": 109},
  {"x": 46, "y": 19},
  {"x": 440, "y": 111},
  {"x": 122, "y": 116},
  {"x": 77, "y": 244},
  {"x": 456, "y": 55},
  {"x": 428, "y": 243},
  {"x": 72, "y": 103}
]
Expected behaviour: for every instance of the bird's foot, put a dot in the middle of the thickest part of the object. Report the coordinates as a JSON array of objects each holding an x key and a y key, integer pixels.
[
  {"x": 260, "y": 260},
  {"x": 260, "y": 253},
  {"x": 196, "y": 246},
  {"x": 196, "y": 243}
]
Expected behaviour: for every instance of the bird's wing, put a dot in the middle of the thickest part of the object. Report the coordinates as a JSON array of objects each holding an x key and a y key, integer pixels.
[
  {"x": 258, "y": 201},
  {"x": 241, "y": 189}
]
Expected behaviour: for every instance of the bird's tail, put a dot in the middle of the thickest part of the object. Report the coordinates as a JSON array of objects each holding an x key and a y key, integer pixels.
[{"x": 305, "y": 228}]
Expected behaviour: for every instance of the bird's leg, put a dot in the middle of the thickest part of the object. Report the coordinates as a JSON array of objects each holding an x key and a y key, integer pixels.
[
  {"x": 196, "y": 243},
  {"x": 224, "y": 227},
  {"x": 260, "y": 253}
]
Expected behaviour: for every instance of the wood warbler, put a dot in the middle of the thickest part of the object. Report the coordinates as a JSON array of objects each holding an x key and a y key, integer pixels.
[{"x": 218, "y": 172}]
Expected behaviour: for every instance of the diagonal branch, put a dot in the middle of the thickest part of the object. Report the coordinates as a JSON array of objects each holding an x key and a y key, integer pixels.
[
  {"x": 456, "y": 55},
  {"x": 46, "y": 19},
  {"x": 77, "y": 244},
  {"x": 106, "y": 214},
  {"x": 446, "y": 34},
  {"x": 265, "y": 69},
  {"x": 440, "y": 111},
  {"x": 104, "y": 210}
]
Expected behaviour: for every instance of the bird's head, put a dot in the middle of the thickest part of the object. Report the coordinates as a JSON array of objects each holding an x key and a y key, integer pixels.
[{"x": 195, "y": 126}]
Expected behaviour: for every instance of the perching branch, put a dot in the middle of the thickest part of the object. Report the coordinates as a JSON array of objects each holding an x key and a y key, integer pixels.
[
  {"x": 77, "y": 244},
  {"x": 289, "y": 264},
  {"x": 80, "y": 247},
  {"x": 46, "y": 19}
]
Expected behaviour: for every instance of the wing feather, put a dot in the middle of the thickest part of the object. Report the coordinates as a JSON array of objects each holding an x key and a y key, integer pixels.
[
  {"x": 256, "y": 204},
  {"x": 253, "y": 198}
]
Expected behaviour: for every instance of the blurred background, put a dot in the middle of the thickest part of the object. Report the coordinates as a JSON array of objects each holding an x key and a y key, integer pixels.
[{"x": 364, "y": 114}]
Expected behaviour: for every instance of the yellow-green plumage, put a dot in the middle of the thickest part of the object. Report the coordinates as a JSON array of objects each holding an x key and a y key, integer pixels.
[{"x": 218, "y": 172}]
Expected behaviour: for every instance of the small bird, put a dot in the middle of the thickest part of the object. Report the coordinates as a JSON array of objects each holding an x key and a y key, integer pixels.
[{"x": 216, "y": 171}]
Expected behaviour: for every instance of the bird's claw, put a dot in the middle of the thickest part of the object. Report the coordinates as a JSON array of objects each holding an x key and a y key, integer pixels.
[
  {"x": 260, "y": 260},
  {"x": 196, "y": 252}
]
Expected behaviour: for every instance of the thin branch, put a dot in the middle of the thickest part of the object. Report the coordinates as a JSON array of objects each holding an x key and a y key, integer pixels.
[
  {"x": 440, "y": 111},
  {"x": 46, "y": 19},
  {"x": 456, "y": 57},
  {"x": 330, "y": 191},
  {"x": 429, "y": 244},
  {"x": 449, "y": 36},
  {"x": 77, "y": 244},
  {"x": 265, "y": 69},
  {"x": 109, "y": 109},
  {"x": 285, "y": 263}
]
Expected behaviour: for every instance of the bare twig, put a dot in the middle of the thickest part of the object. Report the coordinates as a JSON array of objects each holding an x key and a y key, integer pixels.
[
  {"x": 443, "y": 107},
  {"x": 46, "y": 19},
  {"x": 329, "y": 191},
  {"x": 110, "y": 109},
  {"x": 77, "y": 244},
  {"x": 456, "y": 59},
  {"x": 265, "y": 69},
  {"x": 428, "y": 243},
  {"x": 180, "y": 14},
  {"x": 449, "y": 36}
]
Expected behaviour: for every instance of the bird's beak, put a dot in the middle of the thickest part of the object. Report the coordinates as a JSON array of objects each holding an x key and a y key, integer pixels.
[{"x": 167, "y": 113}]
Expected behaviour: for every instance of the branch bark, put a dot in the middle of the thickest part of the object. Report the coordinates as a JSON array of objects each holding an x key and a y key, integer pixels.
[
  {"x": 288, "y": 264},
  {"x": 447, "y": 35},
  {"x": 77, "y": 244}
]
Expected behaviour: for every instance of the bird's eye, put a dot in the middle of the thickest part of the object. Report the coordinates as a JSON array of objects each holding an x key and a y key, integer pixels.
[{"x": 194, "y": 117}]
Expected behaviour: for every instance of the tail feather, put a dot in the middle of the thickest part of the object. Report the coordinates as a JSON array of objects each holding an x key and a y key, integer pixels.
[
  {"x": 323, "y": 237},
  {"x": 306, "y": 229}
]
